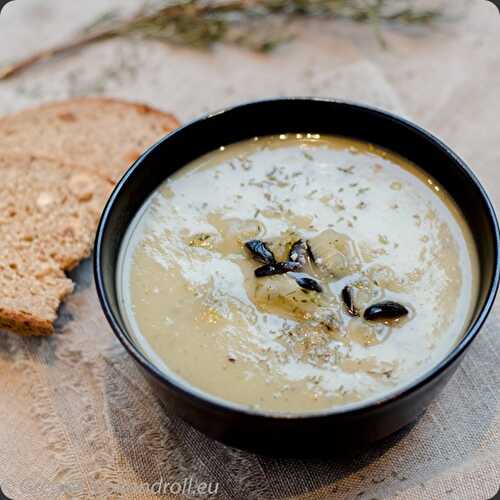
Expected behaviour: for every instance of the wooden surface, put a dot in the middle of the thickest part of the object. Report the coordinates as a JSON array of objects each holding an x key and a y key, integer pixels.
[{"x": 76, "y": 418}]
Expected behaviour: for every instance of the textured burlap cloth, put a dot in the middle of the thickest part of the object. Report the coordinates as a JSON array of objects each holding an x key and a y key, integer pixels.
[{"x": 77, "y": 419}]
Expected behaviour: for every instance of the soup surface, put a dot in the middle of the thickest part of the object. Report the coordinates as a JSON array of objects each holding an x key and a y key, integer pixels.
[{"x": 297, "y": 273}]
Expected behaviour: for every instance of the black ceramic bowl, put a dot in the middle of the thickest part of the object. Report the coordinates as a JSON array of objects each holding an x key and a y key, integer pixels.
[{"x": 336, "y": 428}]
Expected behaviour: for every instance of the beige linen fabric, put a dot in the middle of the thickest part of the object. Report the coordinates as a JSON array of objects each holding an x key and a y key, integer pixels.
[{"x": 77, "y": 420}]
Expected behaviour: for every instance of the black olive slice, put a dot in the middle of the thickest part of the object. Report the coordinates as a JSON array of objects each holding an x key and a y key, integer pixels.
[
  {"x": 348, "y": 301},
  {"x": 298, "y": 252},
  {"x": 310, "y": 252},
  {"x": 260, "y": 251},
  {"x": 276, "y": 268},
  {"x": 385, "y": 311},
  {"x": 308, "y": 284}
]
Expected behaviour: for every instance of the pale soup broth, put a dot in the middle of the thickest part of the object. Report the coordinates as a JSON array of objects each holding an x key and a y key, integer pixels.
[{"x": 380, "y": 284}]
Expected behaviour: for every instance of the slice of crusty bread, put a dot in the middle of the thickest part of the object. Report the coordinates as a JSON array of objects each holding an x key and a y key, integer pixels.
[
  {"x": 30, "y": 297},
  {"x": 105, "y": 135},
  {"x": 48, "y": 215}
]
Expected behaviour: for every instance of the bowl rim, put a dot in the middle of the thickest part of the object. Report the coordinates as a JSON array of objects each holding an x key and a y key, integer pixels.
[{"x": 221, "y": 405}]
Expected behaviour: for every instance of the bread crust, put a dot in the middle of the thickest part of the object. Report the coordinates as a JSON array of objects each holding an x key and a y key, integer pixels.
[{"x": 100, "y": 133}]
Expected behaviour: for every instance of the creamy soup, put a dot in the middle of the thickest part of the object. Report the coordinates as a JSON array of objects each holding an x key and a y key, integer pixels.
[{"x": 297, "y": 273}]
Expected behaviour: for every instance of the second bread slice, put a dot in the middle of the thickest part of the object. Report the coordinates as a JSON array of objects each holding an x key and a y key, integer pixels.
[{"x": 101, "y": 134}]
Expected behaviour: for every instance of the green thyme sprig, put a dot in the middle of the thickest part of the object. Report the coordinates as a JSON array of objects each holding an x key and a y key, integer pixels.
[{"x": 255, "y": 24}]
